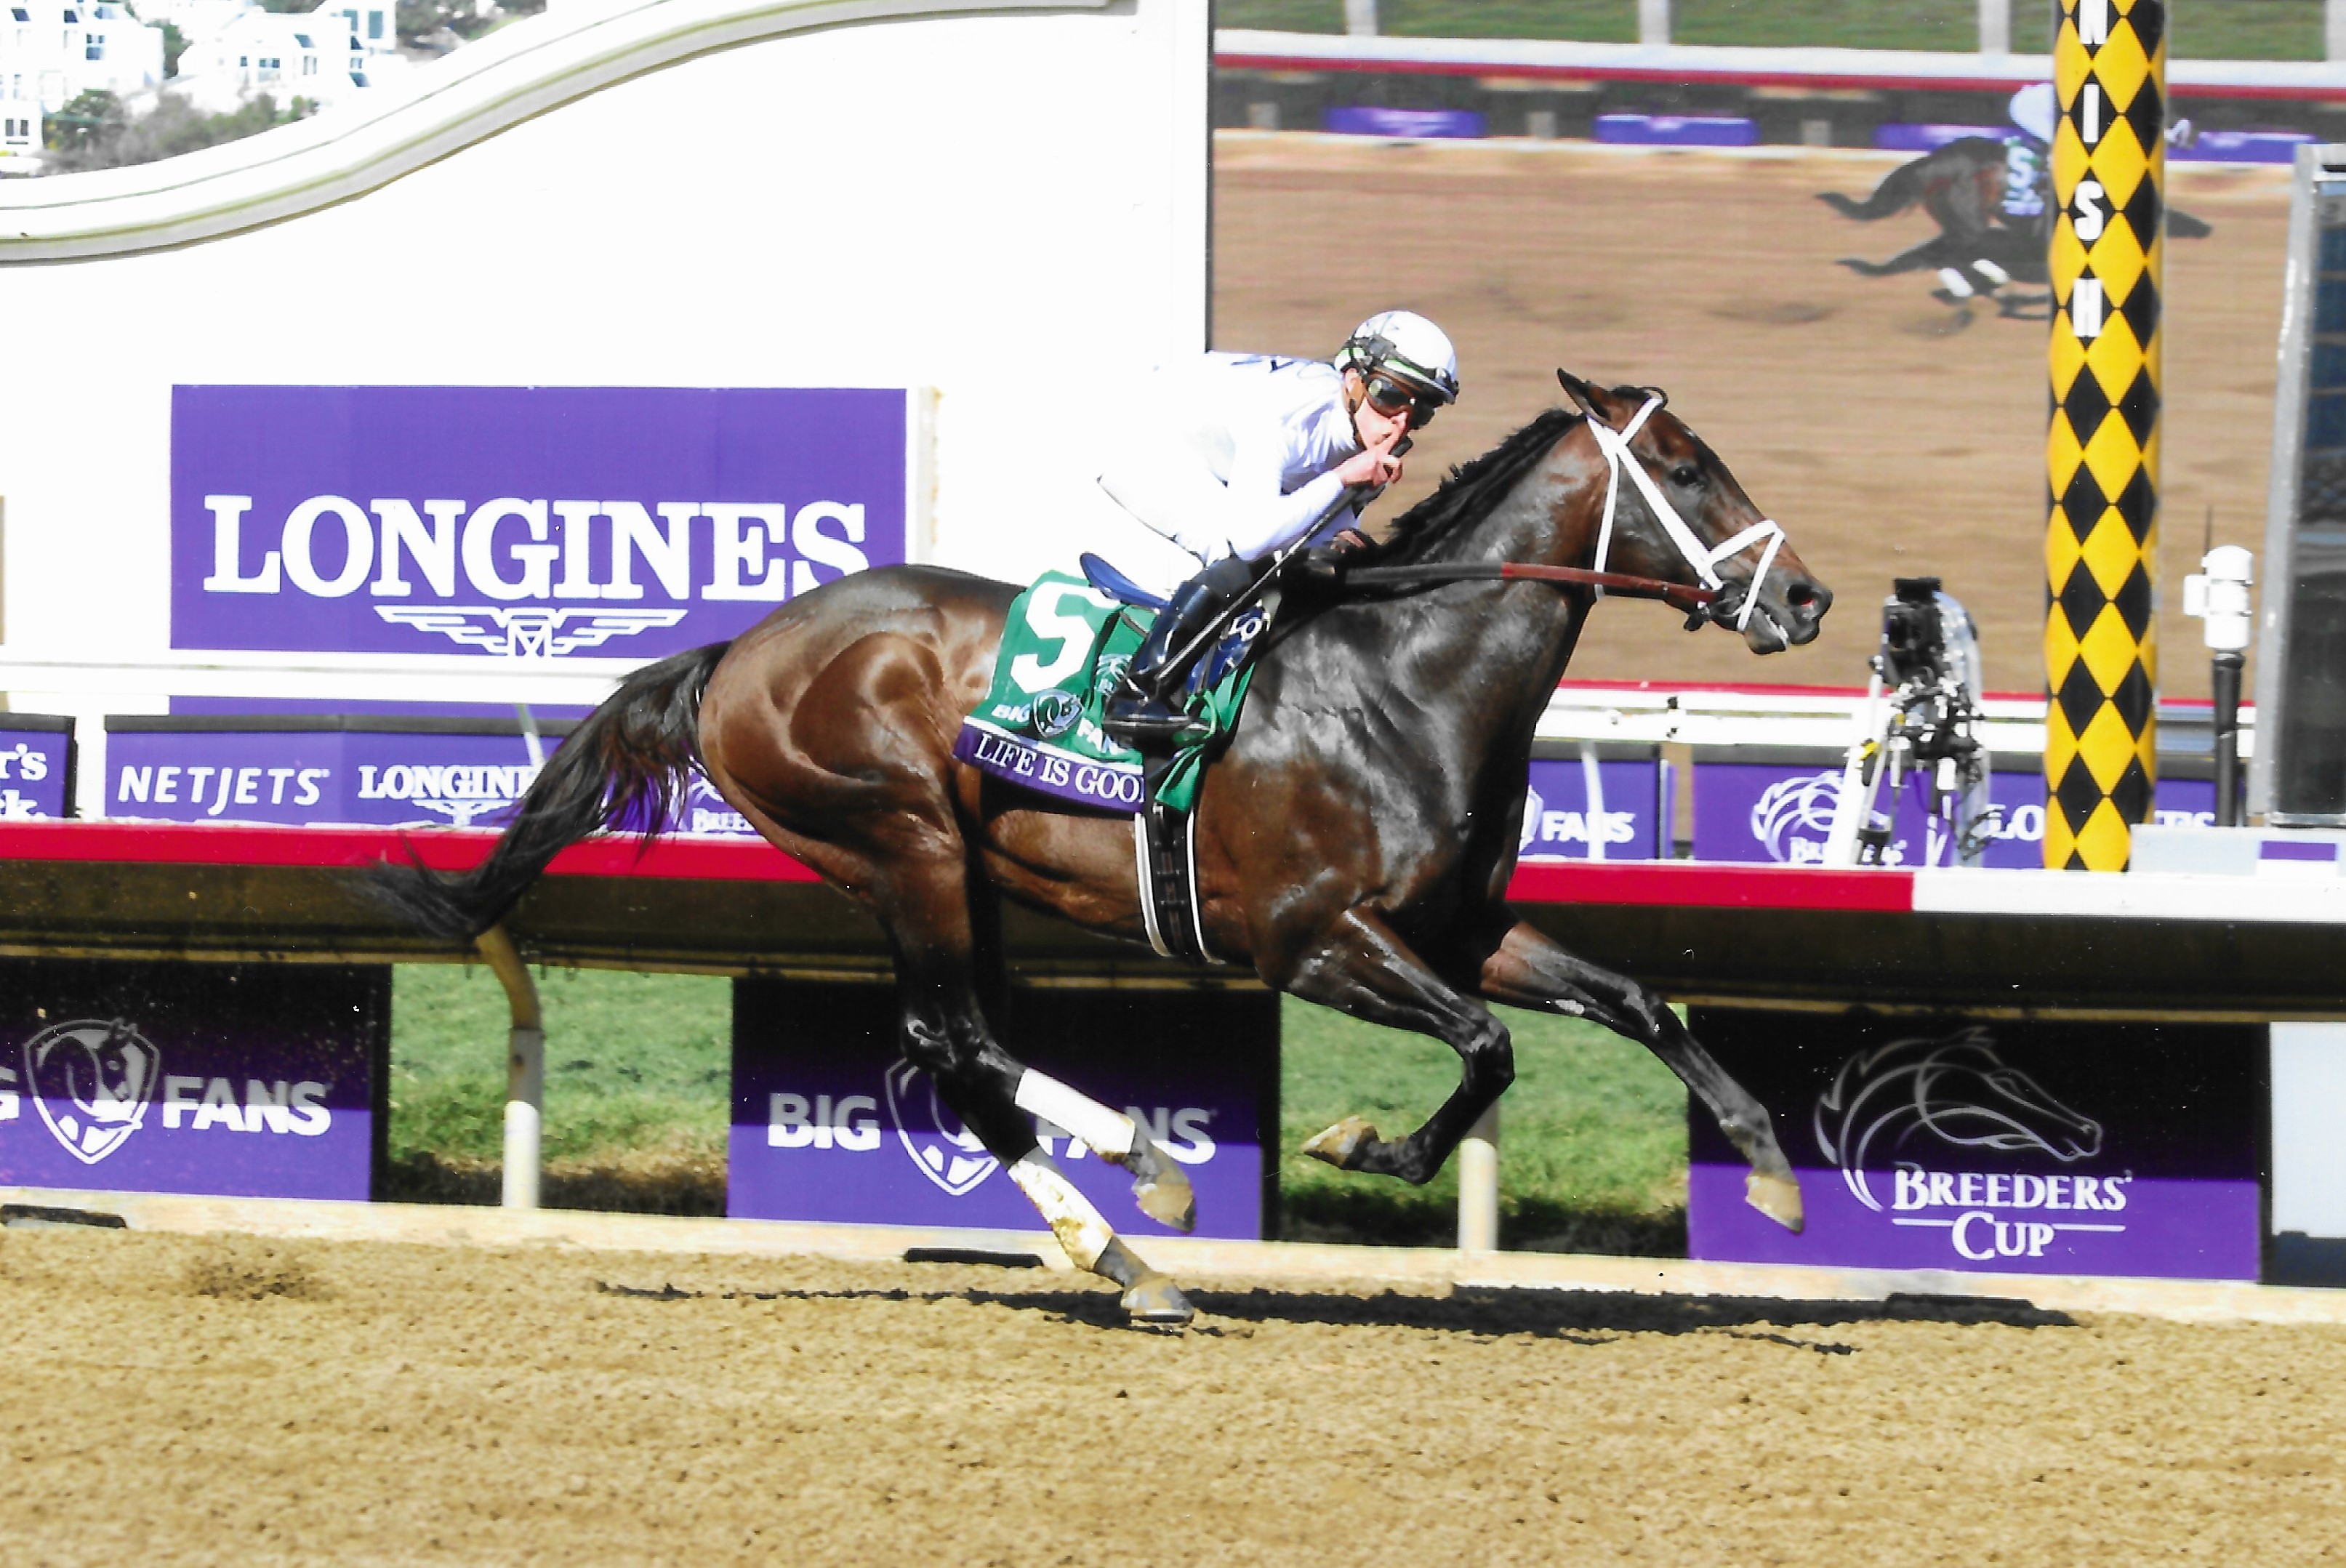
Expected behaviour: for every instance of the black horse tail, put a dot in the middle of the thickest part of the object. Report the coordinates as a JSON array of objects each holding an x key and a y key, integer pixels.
[
  {"x": 1899, "y": 190},
  {"x": 624, "y": 767},
  {"x": 2183, "y": 226}
]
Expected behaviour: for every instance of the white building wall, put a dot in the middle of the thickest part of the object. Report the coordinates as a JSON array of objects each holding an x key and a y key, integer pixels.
[
  {"x": 373, "y": 22},
  {"x": 1009, "y": 208},
  {"x": 20, "y": 120},
  {"x": 312, "y": 56},
  {"x": 62, "y": 48}
]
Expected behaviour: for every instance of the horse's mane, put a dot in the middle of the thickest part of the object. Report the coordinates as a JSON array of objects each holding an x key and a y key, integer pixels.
[{"x": 1474, "y": 489}]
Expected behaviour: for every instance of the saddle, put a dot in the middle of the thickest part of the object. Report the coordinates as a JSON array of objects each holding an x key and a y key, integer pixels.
[{"x": 1065, "y": 647}]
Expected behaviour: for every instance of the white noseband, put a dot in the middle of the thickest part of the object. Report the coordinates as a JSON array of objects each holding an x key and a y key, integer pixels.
[{"x": 1618, "y": 459}]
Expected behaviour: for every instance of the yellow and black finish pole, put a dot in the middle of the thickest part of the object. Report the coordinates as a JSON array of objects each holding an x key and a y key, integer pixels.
[{"x": 2101, "y": 536}]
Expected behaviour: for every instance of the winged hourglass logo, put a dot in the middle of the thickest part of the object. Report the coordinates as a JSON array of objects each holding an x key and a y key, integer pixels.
[{"x": 527, "y": 631}]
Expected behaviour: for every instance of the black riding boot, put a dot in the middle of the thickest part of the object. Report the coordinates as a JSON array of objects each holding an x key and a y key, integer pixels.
[{"x": 1142, "y": 713}]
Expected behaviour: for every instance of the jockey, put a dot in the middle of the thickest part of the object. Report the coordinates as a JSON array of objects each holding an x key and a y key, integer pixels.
[
  {"x": 1247, "y": 455},
  {"x": 2034, "y": 111}
]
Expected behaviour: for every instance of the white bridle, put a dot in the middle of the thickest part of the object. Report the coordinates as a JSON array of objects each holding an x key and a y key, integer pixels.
[{"x": 1618, "y": 459}]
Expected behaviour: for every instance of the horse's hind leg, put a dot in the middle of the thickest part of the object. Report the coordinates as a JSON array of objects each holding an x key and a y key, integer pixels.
[
  {"x": 922, "y": 901},
  {"x": 1529, "y": 970},
  {"x": 1159, "y": 1184},
  {"x": 1929, "y": 256}
]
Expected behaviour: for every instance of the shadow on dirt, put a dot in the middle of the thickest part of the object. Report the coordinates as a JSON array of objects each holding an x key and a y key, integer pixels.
[
  {"x": 1583, "y": 1317},
  {"x": 1411, "y": 1217}
]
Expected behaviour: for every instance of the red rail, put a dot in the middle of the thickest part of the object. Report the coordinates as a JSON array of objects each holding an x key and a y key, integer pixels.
[{"x": 1625, "y": 882}]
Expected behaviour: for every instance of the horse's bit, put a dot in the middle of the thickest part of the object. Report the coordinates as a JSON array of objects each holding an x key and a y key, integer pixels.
[{"x": 1615, "y": 444}]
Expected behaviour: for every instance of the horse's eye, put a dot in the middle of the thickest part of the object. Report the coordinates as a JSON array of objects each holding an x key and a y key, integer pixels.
[{"x": 1686, "y": 474}]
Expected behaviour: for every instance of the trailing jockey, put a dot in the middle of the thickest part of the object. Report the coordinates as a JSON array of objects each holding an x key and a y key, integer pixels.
[{"x": 1252, "y": 456}]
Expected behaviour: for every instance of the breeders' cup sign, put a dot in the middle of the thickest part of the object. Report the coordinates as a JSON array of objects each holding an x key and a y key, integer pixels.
[
  {"x": 1998, "y": 1145},
  {"x": 1772, "y": 804},
  {"x": 226, "y": 1080},
  {"x": 520, "y": 522},
  {"x": 831, "y": 1122},
  {"x": 33, "y": 752}
]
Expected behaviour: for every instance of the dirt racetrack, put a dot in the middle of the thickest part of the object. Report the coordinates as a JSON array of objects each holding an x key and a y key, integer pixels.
[
  {"x": 190, "y": 1399},
  {"x": 1889, "y": 438}
]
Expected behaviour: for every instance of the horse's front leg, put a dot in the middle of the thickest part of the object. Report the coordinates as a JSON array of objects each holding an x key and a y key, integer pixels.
[
  {"x": 1528, "y": 969},
  {"x": 1367, "y": 970}
]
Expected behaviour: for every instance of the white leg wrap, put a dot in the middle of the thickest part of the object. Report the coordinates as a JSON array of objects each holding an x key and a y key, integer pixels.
[
  {"x": 1956, "y": 283},
  {"x": 1109, "y": 1134},
  {"x": 1990, "y": 271},
  {"x": 1082, "y": 1232}
]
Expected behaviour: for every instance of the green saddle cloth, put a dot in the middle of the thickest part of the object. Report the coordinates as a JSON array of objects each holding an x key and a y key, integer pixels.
[{"x": 1064, "y": 648}]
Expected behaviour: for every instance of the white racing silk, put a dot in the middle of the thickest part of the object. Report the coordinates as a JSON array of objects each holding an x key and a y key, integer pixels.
[{"x": 1235, "y": 454}]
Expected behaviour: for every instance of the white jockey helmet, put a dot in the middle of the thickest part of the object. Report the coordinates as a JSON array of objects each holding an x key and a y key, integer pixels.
[
  {"x": 2035, "y": 110},
  {"x": 1407, "y": 347}
]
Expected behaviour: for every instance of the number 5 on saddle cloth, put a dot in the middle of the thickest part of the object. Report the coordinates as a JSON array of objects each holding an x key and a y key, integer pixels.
[{"x": 1065, "y": 648}]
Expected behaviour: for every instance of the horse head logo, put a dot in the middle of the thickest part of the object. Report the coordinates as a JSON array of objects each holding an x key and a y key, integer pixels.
[
  {"x": 947, "y": 1152},
  {"x": 1797, "y": 812},
  {"x": 92, "y": 1080},
  {"x": 1055, "y": 713},
  {"x": 1956, "y": 1089}
]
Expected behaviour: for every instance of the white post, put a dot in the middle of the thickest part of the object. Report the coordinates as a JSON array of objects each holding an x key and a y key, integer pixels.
[
  {"x": 2333, "y": 30},
  {"x": 524, "y": 1069},
  {"x": 1360, "y": 18},
  {"x": 1995, "y": 25},
  {"x": 1653, "y": 22},
  {"x": 1478, "y": 1185}
]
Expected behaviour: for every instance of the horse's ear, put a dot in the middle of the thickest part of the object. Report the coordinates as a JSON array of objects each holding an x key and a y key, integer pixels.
[{"x": 1579, "y": 391}]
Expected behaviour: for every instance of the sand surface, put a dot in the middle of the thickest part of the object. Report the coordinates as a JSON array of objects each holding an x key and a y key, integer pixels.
[
  {"x": 205, "y": 1399},
  {"x": 1888, "y": 437}
]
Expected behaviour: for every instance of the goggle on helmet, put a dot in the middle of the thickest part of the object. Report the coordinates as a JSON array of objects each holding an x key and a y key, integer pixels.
[{"x": 1407, "y": 348}]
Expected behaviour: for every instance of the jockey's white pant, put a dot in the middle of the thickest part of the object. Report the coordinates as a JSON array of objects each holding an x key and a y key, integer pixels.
[{"x": 1143, "y": 534}]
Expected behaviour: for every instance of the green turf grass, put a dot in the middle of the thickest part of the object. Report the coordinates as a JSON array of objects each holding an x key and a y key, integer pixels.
[
  {"x": 636, "y": 1075},
  {"x": 1594, "y": 1141},
  {"x": 1592, "y": 1136},
  {"x": 2200, "y": 29}
]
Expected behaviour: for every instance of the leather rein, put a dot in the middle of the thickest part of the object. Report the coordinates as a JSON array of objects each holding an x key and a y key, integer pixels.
[{"x": 1684, "y": 596}]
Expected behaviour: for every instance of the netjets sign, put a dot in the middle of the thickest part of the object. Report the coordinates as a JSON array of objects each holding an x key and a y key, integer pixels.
[{"x": 535, "y": 522}]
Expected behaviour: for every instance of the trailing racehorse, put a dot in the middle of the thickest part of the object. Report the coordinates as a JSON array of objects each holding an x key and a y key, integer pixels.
[
  {"x": 1353, "y": 846},
  {"x": 1989, "y": 203}
]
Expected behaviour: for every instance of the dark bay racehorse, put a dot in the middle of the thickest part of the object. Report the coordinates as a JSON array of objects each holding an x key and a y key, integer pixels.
[
  {"x": 1353, "y": 846},
  {"x": 1961, "y": 186}
]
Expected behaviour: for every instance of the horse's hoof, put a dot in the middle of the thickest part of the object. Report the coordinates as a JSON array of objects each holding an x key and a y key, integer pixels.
[
  {"x": 1155, "y": 1300},
  {"x": 1777, "y": 1196},
  {"x": 1342, "y": 1145},
  {"x": 1167, "y": 1198}
]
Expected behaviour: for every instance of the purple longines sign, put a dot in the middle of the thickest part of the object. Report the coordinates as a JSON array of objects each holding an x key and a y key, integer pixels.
[
  {"x": 261, "y": 1081},
  {"x": 519, "y": 521},
  {"x": 1997, "y": 1145},
  {"x": 314, "y": 773},
  {"x": 1777, "y": 804},
  {"x": 35, "y": 757},
  {"x": 1605, "y": 806},
  {"x": 446, "y": 773},
  {"x": 830, "y": 1124}
]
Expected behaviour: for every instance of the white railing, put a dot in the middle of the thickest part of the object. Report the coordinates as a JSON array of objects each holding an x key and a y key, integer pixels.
[
  {"x": 1995, "y": 25},
  {"x": 520, "y": 71}
]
